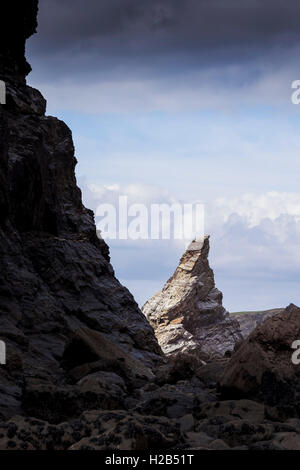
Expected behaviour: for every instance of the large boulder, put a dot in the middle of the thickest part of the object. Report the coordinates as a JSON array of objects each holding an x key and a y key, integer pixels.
[
  {"x": 187, "y": 314},
  {"x": 263, "y": 369}
]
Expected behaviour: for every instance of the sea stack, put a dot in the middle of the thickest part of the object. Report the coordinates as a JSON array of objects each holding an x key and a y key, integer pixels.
[{"x": 188, "y": 314}]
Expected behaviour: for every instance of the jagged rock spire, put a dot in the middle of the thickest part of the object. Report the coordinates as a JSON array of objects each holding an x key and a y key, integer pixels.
[{"x": 188, "y": 312}]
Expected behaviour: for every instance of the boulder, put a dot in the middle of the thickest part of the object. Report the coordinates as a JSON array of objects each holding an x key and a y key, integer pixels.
[{"x": 262, "y": 368}]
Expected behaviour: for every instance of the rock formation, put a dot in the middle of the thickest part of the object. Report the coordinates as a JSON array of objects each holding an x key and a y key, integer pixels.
[
  {"x": 84, "y": 369},
  {"x": 248, "y": 321},
  {"x": 187, "y": 314},
  {"x": 262, "y": 368},
  {"x": 58, "y": 292}
]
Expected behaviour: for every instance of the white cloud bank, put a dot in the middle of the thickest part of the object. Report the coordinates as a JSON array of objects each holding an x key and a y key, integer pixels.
[{"x": 255, "y": 246}]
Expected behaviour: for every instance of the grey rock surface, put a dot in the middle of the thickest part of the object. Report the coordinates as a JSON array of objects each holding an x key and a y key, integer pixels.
[
  {"x": 55, "y": 273},
  {"x": 250, "y": 320},
  {"x": 187, "y": 314},
  {"x": 262, "y": 368}
]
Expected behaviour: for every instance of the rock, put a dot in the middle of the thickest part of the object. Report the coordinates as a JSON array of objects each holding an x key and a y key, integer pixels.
[
  {"x": 286, "y": 441},
  {"x": 55, "y": 404},
  {"x": 116, "y": 430},
  {"x": 242, "y": 409},
  {"x": 248, "y": 321},
  {"x": 181, "y": 366},
  {"x": 23, "y": 433},
  {"x": 262, "y": 368},
  {"x": 212, "y": 372},
  {"x": 88, "y": 350},
  {"x": 19, "y": 23},
  {"x": 55, "y": 278},
  {"x": 187, "y": 423},
  {"x": 174, "y": 401},
  {"x": 198, "y": 440},
  {"x": 121, "y": 431},
  {"x": 167, "y": 401},
  {"x": 218, "y": 444},
  {"x": 239, "y": 423},
  {"x": 187, "y": 314}
]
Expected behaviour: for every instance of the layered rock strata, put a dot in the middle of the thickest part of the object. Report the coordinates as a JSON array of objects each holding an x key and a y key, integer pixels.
[
  {"x": 187, "y": 314},
  {"x": 248, "y": 321}
]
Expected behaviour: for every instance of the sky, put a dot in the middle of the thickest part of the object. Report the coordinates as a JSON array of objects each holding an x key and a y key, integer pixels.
[{"x": 173, "y": 101}]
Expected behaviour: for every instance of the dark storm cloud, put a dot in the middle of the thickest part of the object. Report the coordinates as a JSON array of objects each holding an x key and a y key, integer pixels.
[
  {"x": 158, "y": 36},
  {"x": 193, "y": 23}
]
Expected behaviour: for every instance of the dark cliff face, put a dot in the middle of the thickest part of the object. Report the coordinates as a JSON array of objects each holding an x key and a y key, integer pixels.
[
  {"x": 57, "y": 287},
  {"x": 18, "y": 23}
]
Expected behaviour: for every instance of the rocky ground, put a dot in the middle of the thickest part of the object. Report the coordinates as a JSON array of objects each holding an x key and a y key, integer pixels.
[
  {"x": 253, "y": 405},
  {"x": 84, "y": 369}
]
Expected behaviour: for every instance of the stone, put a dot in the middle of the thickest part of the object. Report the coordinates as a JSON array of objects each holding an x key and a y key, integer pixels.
[
  {"x": 181, "y": 366},
  {"x": 19, "y": 23},
  {"x": 187, "y": 423},
  {"x": 218, "y": 444},
  {"x": 287, "y": 441},
  {"x": 248, "y": 321},
  {"x": 133, "y": 432},
  {"x": 23, "y": 433},
  {"x": 56, "y": 280},
  {"x": 55, "y": 404},
  {"x": 92, "y": 350},
  {"x": 187, "y": 314},
  {"x": 243, "y": 409},
  {"x": 198, "y": 440},
  {"x": 262, "y": 368}
]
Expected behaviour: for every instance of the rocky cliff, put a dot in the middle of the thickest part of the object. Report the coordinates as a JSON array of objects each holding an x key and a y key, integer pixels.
[
  {"x": 19, "y": 22},
  {"x": 187, "y": 314},
  {"x": 63, "y": 314}
]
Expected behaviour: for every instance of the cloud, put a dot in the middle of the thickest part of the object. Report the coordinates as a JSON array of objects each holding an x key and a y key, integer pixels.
[
  {"x": 132, "y": 76},
  {"x": 119, "y": 56},
  {"x": 254, "y": 209},
  {"x": 161, "y": 38},
  {"x": 255, "y": 241},
  {"x": 191, "y": 23},
  {"x": 217, "y": 88},
  {"x": 257, "y": 230}
]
